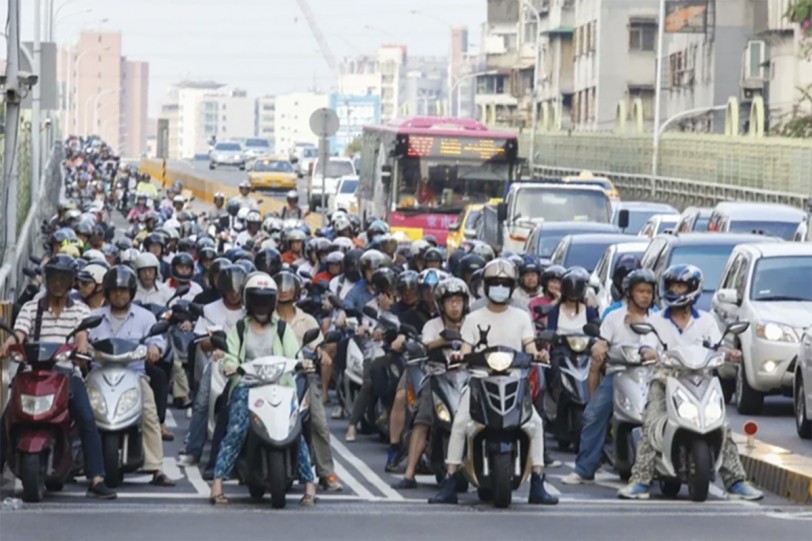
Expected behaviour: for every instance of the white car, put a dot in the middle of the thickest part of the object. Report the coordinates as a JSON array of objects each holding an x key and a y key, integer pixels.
[
  {"x": 256, "y": 147},
  {"x": 769, "y": 285},
  {"x": 802, "y": 387},
  {"x": 602, "y": 275},
  {"x": 336, "y": 168},
  {"x": 658, "y": 224},
  {"x": 345, "y": 197},
  {"x": 227, "y": 153}
]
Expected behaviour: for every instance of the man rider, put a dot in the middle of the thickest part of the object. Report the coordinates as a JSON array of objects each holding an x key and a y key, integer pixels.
[
  {"x": 150, "y": 289},
  {"x": 292, "y": 209},
  {"x": 89, "y": 281},
  {"x": 529, "y": 279},
  {"x": 244, "y": 200},
  {"x": 682, "y": 323},
  {"x": 497, "y": 324},
  {"x": 295, "y": 240}
]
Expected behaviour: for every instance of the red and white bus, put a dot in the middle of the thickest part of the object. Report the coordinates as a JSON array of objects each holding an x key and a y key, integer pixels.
[{"x": 418, "y": 173}]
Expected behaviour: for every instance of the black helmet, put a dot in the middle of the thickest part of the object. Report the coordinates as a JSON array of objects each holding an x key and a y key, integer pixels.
[
  {"x": 468, "y": 265},
  {"x": 383, "y": 280},
  {"x": 268, "y": 260},
  {"x": 625, "y": 265},
  {"x": 406, "y": 282},
  {"x": 214, "y": 269},
  {"x": 454, "y": 261},
  {"x": 288, "y": 281},
  {"x": 574, "y": 284},
  {"x": 431, "y": 239},
  {"x": 637, "y": 277},
  {"x": 186, "y": 245},
  {"x": 154, "y": 238},
  {"x": 206, "y": 253},
  {"x": 120, "y": 276},
  {"x": 553, "y": 272},
  {"x": 247, "y": 265},
  {"x": 60, "y": 273},
  {"x": 182, "y": 258},
  {"x": 434, "y": 255},
  {"x": 352, "y": 265},
  {"x": 684, "y": 273},
  {"x": 374, "y": 260},
  {"x": 235, "y": 254},
  {"x": 231, "y": 278},
  {"x": 233, "y": 207},
  {"x": 529, "y": 264}
]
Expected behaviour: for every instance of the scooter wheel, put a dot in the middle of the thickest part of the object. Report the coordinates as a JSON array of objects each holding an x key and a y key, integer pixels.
[
  {"x": 32, "y": 475},
  {"x": 256, "y": 492},
  {"x": 700, "y": 471},
  {"x": 670, "y": 488}
]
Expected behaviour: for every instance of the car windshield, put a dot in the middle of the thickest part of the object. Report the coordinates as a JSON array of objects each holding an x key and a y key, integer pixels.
[
  {"x": 336, "y": 168},
  {"x": 782, "y": 279},
  {"x": 638, "y": 219},
  {"x": 586, "y": 255},
  {"x": 349, "y": 186},
  {"x": 227, "y": 147},
  {"x": 784, "y": 230},
  {"x": 473, "y": 216},
  {"x": 310, "y": 152},
  {"x": 701, "y": 223},
  {"x": 275, "y": 166},
  {"x": 563, "y": 205},
  {"x": 548, "y": 243},
  {"x": 711, "y": 260},
  {"x": 257, "y": 143}
]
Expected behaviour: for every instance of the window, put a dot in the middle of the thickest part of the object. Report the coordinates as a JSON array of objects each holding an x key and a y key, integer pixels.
[
  {"x": 646, "y": 96},
  {"x": 577, "y": 40},
  {"x": 642, "y": 36},
  {"x": 594, "y": 36},
  {"x": 754, "y": 59}
]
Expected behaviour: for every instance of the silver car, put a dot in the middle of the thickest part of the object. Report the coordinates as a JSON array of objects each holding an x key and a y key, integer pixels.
[{"x": 227, "y": 153}]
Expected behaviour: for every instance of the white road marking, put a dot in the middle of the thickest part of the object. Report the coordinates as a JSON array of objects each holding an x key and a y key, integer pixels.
[
  {"x": 170, "y": 419},
  {"x": 356, "y": 485},
  {"x": 201, "y": 486},
  {"x": 388, "y": 492},
  {"x": 171, "y": 469}
]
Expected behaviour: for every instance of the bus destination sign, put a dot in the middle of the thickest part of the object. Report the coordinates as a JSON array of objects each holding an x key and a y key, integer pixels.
[{"x": 472, "y": 148}]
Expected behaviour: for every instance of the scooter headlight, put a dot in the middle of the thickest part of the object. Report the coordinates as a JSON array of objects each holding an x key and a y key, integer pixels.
[
  {"x": 715, "y": 409},
  {"x": 139, "y": 353},
  {"x": 36, "y": 405},
  {"x": 578, "y": 344},
  {"x": 97, "y": 402},
  {"x": 127, "y": 402},
  {"x": 499, "y": 361},
  {"x": 685, "y": 408},
  {"x": 63, "y": 357}
]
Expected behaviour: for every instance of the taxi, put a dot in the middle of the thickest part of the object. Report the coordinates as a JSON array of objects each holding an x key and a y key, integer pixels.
[
  {"x": 465, "y": 228},
  {"x": 273, "y": 173},
  {"x": 588, "y": 179}
]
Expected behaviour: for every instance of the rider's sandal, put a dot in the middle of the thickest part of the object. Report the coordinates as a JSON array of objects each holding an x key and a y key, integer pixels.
[
  {"x": 218, "y": 499},
  {"x": 308, "y": 500},
  {"x": 161, "y": 480}
]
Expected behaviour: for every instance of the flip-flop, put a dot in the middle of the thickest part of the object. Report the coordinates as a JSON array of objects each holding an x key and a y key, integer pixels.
[
  {"x": 218, "y": 499},
  {"x": 308, "y": 500},
  {"x": 161, "y": 480}
]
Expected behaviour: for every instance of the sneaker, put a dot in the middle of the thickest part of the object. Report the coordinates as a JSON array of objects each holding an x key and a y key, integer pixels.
[
  {"x": 330, "y": 483},
  {"x": 188, "y": 413},
  {"x": 553, "y": 463},
  {"x": 405, "y": 484},
  {"x": 575, "y": 479},
  {"x": 187, "y": 461},
  {"x": 100, "y": 491},
  {"x": 742, "y": 490},
  {"x": 538, "y": 493},
  {"x": 338, "y": 412},
  {"x": 634, "y": 491},
  {"x": 392, "y": 460}
]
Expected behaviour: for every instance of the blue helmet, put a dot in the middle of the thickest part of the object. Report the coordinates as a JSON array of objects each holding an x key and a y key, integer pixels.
[{"x": 687, "y": 274}]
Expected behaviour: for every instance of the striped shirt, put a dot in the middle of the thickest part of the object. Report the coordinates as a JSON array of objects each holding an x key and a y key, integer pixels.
[{"x": 53, "y": 328}]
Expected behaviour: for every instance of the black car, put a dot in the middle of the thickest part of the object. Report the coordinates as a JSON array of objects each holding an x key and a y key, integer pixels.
[
  {"x": 545, "y": 237},
  {"x": 709, "y": 252},
  {"x": 586, "y": 250}
]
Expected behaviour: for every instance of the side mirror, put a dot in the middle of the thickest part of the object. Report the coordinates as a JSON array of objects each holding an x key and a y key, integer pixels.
[
  {"x": 547, "y": 336},
  {"x": 370, "y": 312},
  {"x": 642, "y": 328},
  {"x": 333, "y": 337},
  {"x": 737, "y": 327},
  {"x": 623, "y": 219},
  {"x": 454, "y": 227},
  {"x": 593, "y": 330},
  {"x": 90, "y": 322},
  {"x": 196, "y": 309},
  {"x": 37, "y": 261},
  {"x": 450, "y": 335},
  {"x": 219, "y": 341},
  {"x": 309, "y": 336},
  {"x": 159, "y": 328},
  {"x": 501, "y": 212},
  {"x": 727, "y": 296},
  {"x": 335, "y": 301},
  {"x": 408, "y": 329}
]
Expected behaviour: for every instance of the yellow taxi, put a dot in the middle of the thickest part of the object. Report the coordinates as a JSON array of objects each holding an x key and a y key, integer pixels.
[
  {"x": 273, "y": 173},
  {"x": 465, "y": 228},
  {"x": 589, "y": 179}
]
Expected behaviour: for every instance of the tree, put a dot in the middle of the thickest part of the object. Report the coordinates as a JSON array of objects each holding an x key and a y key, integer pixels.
[
  {"x": 798, "y": 123},
  {"x": 353, "y": 148}
]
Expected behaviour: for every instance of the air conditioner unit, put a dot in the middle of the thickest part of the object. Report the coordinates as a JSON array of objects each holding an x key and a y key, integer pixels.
[{"x": 747, "y": 94}]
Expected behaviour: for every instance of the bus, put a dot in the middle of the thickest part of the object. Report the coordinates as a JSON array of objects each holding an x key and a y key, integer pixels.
[{"x": 419, "y": 173}]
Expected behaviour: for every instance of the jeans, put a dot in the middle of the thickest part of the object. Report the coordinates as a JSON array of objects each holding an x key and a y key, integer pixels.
[
  {"x": 198, "y": 427},
  {"x": 596, "y": 418}
]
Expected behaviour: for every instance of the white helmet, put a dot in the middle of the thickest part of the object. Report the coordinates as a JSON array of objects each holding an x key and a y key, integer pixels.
[
  {"x": 341, "y": 222},
  {"x": 259, "y": 296},
  {"x": 128, "y": 256},
  {"x": 94, "y": 271},
  {"x": 243, "y": 214},
  {"x": 253, "y": 217},
  {"x": 171, "y": 232},
  {"x": 94, "y": 255},
  {"x": 343, "y": 244},
  {"x": 147, "y": 260},
  {"x": 172, "y": 222},
  {"x": 179, "y": 199}
]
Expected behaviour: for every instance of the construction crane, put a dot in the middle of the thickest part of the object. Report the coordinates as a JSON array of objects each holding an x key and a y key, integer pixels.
[{"x": 314, "y": 28}]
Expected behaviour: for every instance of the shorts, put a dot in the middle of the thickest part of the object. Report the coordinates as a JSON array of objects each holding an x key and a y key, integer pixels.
[{"x": 425, "y": 408}]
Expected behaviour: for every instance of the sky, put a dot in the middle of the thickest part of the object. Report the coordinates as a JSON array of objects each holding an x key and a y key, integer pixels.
[{"x": 262, "y": 46}]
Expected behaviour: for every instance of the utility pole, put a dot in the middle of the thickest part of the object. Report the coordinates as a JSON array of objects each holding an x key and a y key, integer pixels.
[{"x": 36, "y": 112}]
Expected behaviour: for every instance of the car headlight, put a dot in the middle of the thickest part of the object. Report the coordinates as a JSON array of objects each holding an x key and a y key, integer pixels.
[
  {"x": 715, "y": 409},
  {"x": 499, "y": 361},
  {"x": 36, "y": 405},
  {"x": 685, "y": 408},
  {"x": 578, "y": 344},
  {"x": 97, "y": 402},
  {"x": 127, "y": 402},
  {"x": 776, "y": 332},
  {"x": 270, "y": 372},
  {"x": 139, "y": 353},
  {"x": 442, "y": 412}
]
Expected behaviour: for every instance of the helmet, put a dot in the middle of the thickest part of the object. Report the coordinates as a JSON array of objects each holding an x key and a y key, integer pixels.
[
  {"x": 383, "y": 280},
  {"x": 110, "y": 250},
  {"x": 268, "y": 260},
  {"x": 431, "y": 239},
  {"x": 434, "y": 255},
  {"x": 343, "y": 244},
  {"x": 637, "y": 277},
  {"x": 341, "y": 223},
  {"x": 231, "y": 278},
  {"x": 206, "y": 253},
  {"x": 93, "y": 272},
  {"x": 625, "y": 265},
  {"x": 288, "y": 281},
  {"x": 469, "y": 264},
  {"x": 120, "y": 276},
  {"x": 475, "y": 283},
  {"x": 484, "y": 251},
  {"x": 454, "y": 261},
  {"x": 292, "y": 195},
  {"x": 219, "y": 197},
  {"x": 499, "y": 277},
  {"x": 387, "y": 243},
  {"x": 529, "y": 264},
  {"x": 154, "y": 238},
  {"x": 253, "y": 217},
  {"x": 293, "y": 235},
  {"x": 272, "y": 225},
  {"x": 407, "y": 282},
  {"x": 93, "y": 255},
  {"x": 259, "y": 296},
  {"x": 84, "y": 228},
  {"x": 553, "y": 272},
  {"x": 451, "y": 287},
  {"x": 418, "y": 248},
  {"x": 179, "y": 199},
  {"x": 182, "y": 258},
  {"x": 430, "y": 278},
  {"x": 187, "y": 245},
  {"x": 378, "y": 227},
  {"x": 687, "y": 274},
  {"x": 374, "y": 260},
  {"x": 334, "y": 258},
  {"x": 233, "y": 206},
  {"x": 246, "y": 264},
  {"x": 245, "y": 184},
  {"x": 214, "y": 269},
  {"x": 574, "y": 284},
  {"x": 352, "y": 264}
]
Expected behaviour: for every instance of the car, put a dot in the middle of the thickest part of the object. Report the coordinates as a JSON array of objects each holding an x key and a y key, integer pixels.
[
  {"x": 227, "y": 153},
  {"x": 588, "y": 179},
  {"x": 304, "y": 156},
  {"x": 694, "y": 219},
  {"x": 545, "y": 237},
  {"x": 802, "y": 387},
  {"x": 639, "y": 213},
  {"x": 774, "y": 219},
  {"x": 345, "y": 198},
  {"x": 256, "y": 147},
  {"x": 465, "y": 228},
  {"x": 708, "y": 252},
  {"x": 336, "y": 168},
  {"x": 605, "y": 269},
  {"x": 769, "y": 285},
  {"x": 585, "y": 250},
  {"x": 273, "y": 173},
  {"x": 659, "y": 223}
]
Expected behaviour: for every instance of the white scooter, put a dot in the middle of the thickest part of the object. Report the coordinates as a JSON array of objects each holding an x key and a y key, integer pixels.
[
  {"x": 115, "y": 396},
  {"x": 689, "y": 438}
]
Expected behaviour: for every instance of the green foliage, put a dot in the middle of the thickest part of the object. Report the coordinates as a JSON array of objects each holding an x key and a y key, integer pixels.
[
  {"x": 799, "y": 123},
  {"x": 353, "y": 148}
]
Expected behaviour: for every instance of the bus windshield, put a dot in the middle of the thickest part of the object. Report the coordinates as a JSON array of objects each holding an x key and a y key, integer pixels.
[{"x": 446, "y": 185}]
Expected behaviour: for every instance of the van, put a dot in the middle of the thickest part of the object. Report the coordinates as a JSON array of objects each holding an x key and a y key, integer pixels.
[{"x": 772, "y": 219}]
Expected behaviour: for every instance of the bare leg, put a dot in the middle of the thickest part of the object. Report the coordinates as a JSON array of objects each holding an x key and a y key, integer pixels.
[
  {"x": 397, "y": 418},
  {"x": 417, "y": 442}
]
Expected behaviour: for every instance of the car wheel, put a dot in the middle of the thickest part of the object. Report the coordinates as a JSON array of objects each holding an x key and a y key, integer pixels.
[
  {"x": 802, "y": 423},
  {"x": 748, "y": 400}
]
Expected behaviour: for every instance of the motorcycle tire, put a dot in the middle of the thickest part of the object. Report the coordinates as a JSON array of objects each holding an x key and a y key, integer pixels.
[
  {"x": 256, "y": 491},
  {"x": 32, "y": 475},
  {"x": 576, "y": 422},
  {"x": 502, "y": 472},
  {"x": 112, "y": 469},
  {"x": 700, "y": 470},
  {"x": 670, "y": 488},
  {"x": 277, "y": 477},
  {"x": 485, "y": 494}
]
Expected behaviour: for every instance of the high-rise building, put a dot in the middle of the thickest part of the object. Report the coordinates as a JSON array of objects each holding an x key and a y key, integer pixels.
[
  {"x": 393, "y": 69},
  {"x": 134, "y": 95},
  {"x": 265, "y": 118},
  {"x": 292, "y": 121}
]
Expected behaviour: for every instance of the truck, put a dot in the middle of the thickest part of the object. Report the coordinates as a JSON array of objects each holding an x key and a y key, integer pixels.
[{"x": 507, "y": 225}]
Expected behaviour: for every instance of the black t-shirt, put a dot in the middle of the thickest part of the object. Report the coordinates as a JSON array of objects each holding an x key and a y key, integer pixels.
[{"x": 411, "y": 314}]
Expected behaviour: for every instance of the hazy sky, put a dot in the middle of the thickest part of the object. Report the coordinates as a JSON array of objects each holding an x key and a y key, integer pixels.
[{"x": 264, "y": 46}]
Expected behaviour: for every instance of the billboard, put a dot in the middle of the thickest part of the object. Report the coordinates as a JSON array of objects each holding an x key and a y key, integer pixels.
[
  {"x": 354, "y": 112},
  {"x": 686, "y": 16}
]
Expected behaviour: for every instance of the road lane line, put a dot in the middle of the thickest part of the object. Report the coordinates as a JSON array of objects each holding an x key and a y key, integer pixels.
[
  {"x": 354, "y": 484},
  {"x": 388, "y": 492},
  {"x": 201, "y": 486}
]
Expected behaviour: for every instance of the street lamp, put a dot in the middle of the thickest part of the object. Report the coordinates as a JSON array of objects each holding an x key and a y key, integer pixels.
[
  {"x": 658, "y": 132},
  {"x": 462, "y": 78},
  {"x": 534, "y": 113}
]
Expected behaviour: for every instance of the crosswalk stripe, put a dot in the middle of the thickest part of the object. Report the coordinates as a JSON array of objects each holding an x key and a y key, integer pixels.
[
  {"x": 360, "y": 466},
  {"x": 170, "y": 419}
]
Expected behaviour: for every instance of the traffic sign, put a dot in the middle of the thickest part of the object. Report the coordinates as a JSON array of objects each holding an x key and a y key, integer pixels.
[{"x": 324, "y": 122}]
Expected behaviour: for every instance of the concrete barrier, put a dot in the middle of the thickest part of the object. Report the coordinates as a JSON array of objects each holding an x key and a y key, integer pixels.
[{"x": 777, "y": 470}]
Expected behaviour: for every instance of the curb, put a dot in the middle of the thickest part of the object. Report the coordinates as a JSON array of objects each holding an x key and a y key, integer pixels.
[{"x": 777, "y": 470}]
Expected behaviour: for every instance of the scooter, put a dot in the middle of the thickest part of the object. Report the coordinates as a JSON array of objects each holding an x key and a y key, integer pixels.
[
  {"x": 277, "y": 409},
  {"x": 689, "y": 438},
  {"x": 115, "y": 396},
  {"x": 37, "y": 422}
]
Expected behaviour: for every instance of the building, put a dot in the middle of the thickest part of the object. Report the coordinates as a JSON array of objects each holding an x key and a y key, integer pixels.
[
  {"x": 265, "y": 118},
  {"x": 134, "y": 100},
  {"x": 556, "y": 72},
  {"x": 495, "y": 102},
  {"x": 354, "y": 112},
  {"x": 425, "y": 86},
  {"x": 360, "y": 76},
  {"x": 393, "y": 70},
  {"x": 459, "y": 65},
  {"x": 292, "y": 123}
]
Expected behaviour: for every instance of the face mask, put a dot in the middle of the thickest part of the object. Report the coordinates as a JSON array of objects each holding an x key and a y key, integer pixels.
[{"x": 499, "y": 294}]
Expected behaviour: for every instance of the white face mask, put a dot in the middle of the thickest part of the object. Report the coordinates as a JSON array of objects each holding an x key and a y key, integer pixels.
[{"x": 499, "y": 294}]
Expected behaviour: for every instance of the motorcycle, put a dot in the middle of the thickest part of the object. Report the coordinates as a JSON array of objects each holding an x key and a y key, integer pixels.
[
  {"x": 37, "y": 421},
  {"x": 689, "y": 438}
]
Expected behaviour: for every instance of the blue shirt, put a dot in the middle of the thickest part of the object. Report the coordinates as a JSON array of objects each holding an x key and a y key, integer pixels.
[
  {"x": 620, "y": 304},
  {"x": 135, "y": 327},
  {"x": 358, "y": 296}
]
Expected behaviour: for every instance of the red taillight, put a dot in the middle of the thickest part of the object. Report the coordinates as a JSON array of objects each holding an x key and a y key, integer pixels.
[{"x": 750, "y": 428}]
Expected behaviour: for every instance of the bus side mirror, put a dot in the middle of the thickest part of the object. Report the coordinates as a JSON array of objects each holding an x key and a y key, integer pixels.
[
  {"x": 386, "y": 174},
  {"x": 623, "y": 219}
]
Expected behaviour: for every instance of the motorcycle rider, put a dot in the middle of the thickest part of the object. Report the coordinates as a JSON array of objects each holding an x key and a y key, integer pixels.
[
  {"x": 625, "y": 265},
  {"x": 213, "y": 215},
  {"x": 363, "y": 291},
  {"x": 616, "y": 330},
  {"x": 295, "y": 240},
  {"x": 497, "y": 324},
  {"x": 150, "y": 289},
  {"x": 529, "y": 279},
  {"x": 243, "y": 199},
  {"x": 292, "y": 209},
  {"x": 261, "y": 333},
  {"x": 89, "y": 281},
  {"x": 551, "y": 285},
  {"x": 50, "y": 319},
  {"x": 253, "y": 223},
  {"x": 181, "y": 272},
  {"x": 451, "y": 296},
  {"x": 342, "y": 284},
  {"x": 155, "y": 243},
  {"x": 123, "y": 319},
  {"x": 682, "y": 323}
]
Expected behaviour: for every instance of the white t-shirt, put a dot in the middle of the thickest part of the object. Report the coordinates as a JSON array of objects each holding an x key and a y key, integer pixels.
[
  {"x": 432, "y": 330},
  {"x": 340, "y": 286},
  {"x": 216, "y": 314},
  {"x": 511, "y": 328},
  {"x": 617, "y": 332},
  {"x": 571, "y": 324},
  {"x": 701, "y": 327}
]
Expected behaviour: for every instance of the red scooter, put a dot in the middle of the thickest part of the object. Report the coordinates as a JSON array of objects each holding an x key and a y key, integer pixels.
[{"x": 37, "y": 422}]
